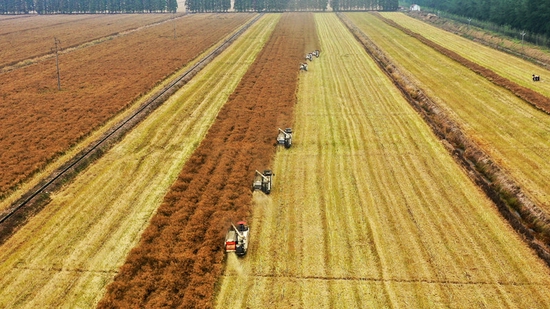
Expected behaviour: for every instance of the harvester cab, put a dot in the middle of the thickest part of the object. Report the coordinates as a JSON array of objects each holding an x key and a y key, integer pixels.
[
  {"x": 263, "y": 181},
  {"x": 236, "y": 239},
  {"x": 285, "y": 137}
]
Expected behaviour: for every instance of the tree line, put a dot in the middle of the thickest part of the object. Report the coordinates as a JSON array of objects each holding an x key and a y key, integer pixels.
[
  {"x": 86, "y": 6},
  {"x": 529, "y": 15},
  {"x": 290, "y": 5}
]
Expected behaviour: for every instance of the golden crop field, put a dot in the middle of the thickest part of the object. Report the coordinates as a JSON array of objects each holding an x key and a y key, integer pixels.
[
  {"x": 67, "y": 254},
  {"x": 369, "y": 210},
  {"x": 514, "y": 134},
  {"x": 511, "y": 67}
]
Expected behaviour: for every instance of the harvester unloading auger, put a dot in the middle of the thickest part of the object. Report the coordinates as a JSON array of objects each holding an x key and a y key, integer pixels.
[
  {"x": 236, "y": 239},
  {"x": 285, "y": 137},
  {"x": 263, "y": 181}
]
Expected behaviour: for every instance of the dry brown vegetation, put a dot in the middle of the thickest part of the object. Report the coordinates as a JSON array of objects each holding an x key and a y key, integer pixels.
[
  {"x": 39, "y": 122},
  {"x": 179, "y": 257},
  {"x": 33, "y": 35}
]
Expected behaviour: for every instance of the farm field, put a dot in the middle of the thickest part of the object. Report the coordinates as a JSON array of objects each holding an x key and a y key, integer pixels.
[
  {"x": 370, "y": 211},
  {"x": 32, "y": 36},
  {"x": 41, "y": 123},
  {"x": 179, "y": 258},
  {"x": 511, "y": 67},
  {"x": 510, "y": 131},
  {"x": 68, "y": 253}
]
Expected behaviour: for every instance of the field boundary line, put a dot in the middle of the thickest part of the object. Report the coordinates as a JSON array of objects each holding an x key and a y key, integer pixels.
[
  {"x": 530, "y": 96},
  {"x": 523, "y": 215},
  {"x": 38, "y": 196},
  {"x": 394, "y": 280},
  {"x": 72, "y": 270}
]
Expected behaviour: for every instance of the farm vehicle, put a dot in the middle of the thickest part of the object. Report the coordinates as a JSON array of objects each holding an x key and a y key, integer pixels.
[
  {"x": 285, "y": 137},
  {"x": 236, "y": 239},
  {"x": 263, "y": 181}
]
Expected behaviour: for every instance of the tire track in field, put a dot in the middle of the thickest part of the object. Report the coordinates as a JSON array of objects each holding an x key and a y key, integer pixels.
[{"x": 395, "y": 280}]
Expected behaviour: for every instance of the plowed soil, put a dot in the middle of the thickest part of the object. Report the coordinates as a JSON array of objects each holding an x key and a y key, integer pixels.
[
  {"x": 39, "y": 122},
  {"x": 179, "y": 257},
  {"x": 29, "y": 37}
]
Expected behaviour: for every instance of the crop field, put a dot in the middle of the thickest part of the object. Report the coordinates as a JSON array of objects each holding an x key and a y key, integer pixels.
[
  {"x": 90, "y": 226},
  {"x": 513, "y": 133},
  {"x": 369, "y": 210},
  {"x": 39, "y": 122},
  {"x": 32, "y": 36},
  {"x": 511, "y": 67}
]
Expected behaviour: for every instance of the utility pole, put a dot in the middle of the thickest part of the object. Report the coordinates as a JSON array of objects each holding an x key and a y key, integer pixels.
[{"x": 57, "y": 42}]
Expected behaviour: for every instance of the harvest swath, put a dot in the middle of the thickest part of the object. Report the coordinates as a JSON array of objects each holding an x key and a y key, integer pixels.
[
  {"x": 65, "y": 256},
  {"x": 510, "y": 131},
  {"x": 34, "y": 34},
  {"x": 511, "y": 67},
  {"x": 39, "y": 122},
  {"x": 369, "y": 210}
]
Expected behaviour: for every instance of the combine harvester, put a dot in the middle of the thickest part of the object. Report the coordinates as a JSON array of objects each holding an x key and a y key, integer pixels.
[
  {"x": 263, "y": 181},
  {"x": 285, "y": 137},
  {"x": 236, "y": 239}
]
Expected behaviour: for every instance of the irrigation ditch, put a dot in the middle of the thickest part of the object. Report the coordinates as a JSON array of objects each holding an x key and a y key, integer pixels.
[
  {"x": 519, "y": 210},
  {"x": 38, "y": 197}
]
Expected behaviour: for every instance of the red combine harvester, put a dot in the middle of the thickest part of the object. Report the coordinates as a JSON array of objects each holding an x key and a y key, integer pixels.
[{"x": 236, "y": 239}]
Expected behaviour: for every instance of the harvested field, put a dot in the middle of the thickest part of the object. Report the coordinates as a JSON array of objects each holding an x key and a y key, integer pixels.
[
  {"x": 24, "y": 38},
  {"x": 530, "y": 96},
  {"x": 179, "y": 257},
  {"x": 68, "y": 253},
  {"x": 511, "y": 132},
  {"x": 370, "y": 211},
  {"x": 97, "y": 83}
]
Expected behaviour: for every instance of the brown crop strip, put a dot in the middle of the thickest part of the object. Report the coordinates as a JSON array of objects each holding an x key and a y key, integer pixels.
[
  {"x": 179, "y": 257},
  {"x": 534, "y": 98},
  {"x": 521, "y": 213}
]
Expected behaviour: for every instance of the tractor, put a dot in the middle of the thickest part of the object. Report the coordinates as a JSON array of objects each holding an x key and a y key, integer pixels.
[{"x": 263, "y": 181}]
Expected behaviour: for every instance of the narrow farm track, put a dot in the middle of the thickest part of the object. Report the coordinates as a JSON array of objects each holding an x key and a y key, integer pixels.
[
  {"x": 369, "y": 210},
  {"x": 511, "y": 132},
  {"x": 67, "y": 254},
  {"x": 179, "y": 257},
  {"x": 41, "y": 123},
  {"x": 514, "y": 68}
]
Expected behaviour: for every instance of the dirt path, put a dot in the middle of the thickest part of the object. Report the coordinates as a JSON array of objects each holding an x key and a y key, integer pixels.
[
  {"x": 179, "y": 257},
  {"x": 66, "y": 255},
  {"x": 369, "y": 210}
]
